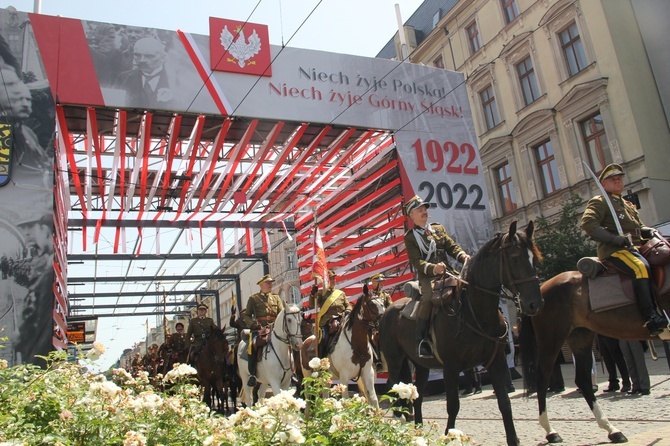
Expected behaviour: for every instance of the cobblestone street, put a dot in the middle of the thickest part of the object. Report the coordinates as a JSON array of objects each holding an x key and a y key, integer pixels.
[{"x": 645, "y": 420}]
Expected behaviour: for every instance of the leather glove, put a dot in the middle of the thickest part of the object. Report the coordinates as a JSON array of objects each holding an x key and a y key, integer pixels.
[
  {"x": 648, "y": 233},
  {"x": 255, "y": 325},
  {"x": 463, "y": 258},
  {"x": 315, "y": 289},
  {"x": 366, "y": 291},
  {"x": 621, "y": 240}
]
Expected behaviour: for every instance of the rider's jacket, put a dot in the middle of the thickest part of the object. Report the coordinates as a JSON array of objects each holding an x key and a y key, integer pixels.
[
  {"x": 336, "y": 299},
  {"x": 263, "y": 308},
  {"x": 597, "y": 213},
  {"x": 428, "y": 247},
  {"x": 199, "y": 328}
]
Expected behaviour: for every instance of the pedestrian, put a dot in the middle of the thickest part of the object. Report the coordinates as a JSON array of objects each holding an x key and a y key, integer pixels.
[
  {"x": 633, "y": 352},
  {"x": 610, "y": 351}
]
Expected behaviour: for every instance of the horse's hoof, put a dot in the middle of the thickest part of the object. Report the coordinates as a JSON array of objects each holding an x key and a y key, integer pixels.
[
  {"x": 617, "y": 437},
  {"x": 554, "y": 438}
]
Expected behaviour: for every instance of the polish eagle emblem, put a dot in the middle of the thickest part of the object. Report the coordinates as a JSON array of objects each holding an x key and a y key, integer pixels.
[{"x": 240, "y": 48}]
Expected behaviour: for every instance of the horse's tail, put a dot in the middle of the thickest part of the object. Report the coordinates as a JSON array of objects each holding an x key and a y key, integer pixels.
[{"x": 528, "y": 353}]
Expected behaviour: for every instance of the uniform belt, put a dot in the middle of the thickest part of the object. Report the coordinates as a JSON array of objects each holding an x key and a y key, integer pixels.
[{"x": 266, "y": 318}]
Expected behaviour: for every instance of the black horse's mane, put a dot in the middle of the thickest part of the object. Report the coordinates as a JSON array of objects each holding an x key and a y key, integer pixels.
[{"x": 492, "y": 245}]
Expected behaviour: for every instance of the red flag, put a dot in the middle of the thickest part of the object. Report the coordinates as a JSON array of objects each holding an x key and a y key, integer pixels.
[{"x": 319, "y": 265}]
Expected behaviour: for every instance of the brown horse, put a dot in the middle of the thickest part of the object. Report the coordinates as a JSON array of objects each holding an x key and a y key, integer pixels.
[
  {"x": 567, "y": 316},
  {"x": 470, "y": 330},
  {"x": 351, "y": 356},
  {"x": 213, "y": 368}
]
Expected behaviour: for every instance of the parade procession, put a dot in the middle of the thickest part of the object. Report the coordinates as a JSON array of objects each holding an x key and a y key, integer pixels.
[{"x": 431, "y": 222}]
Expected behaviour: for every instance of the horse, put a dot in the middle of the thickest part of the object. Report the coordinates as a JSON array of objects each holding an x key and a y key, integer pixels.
[
  {"x": 306, "y": 330},
  {"x": 212, "y": 367},
  {"x": 470, "y": 330},
  {"x": 567, "y": 316},
  {"x": 275, "y": 368},
  {"x": 351, "y": 358}
]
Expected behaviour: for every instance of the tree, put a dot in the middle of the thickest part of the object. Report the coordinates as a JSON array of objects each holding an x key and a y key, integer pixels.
[{"x": 562, "y": 242}]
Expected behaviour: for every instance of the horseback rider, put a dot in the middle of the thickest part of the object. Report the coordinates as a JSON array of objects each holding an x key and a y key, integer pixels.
[
  {"x": 150, "y": 360},
  {"x": 377, "y": 282},
  {"x": 262, "y": 310},
  {"x": 177, "y": 343},
  {"x": 427, "y": 248},
  {"x": 199, "y": 329},
  {"x": 377, "y": 291},
  {"x": 332, "y": 304},
  {"x": 620, "y": 250}
]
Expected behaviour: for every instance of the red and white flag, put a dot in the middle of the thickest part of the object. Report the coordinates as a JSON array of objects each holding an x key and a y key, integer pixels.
[{"x": 319, "y": 265}]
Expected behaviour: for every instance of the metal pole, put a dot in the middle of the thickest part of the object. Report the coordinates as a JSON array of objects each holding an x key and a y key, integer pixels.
[
  {"x": 404, "y": 52},
  {"x": 37, "y": 6}
]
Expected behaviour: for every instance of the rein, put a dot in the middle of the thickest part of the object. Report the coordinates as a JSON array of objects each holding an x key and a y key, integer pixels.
[
  {"x": 505, "y": 275},
  {"x": 287, "y": 341},
  {"x": 365, "y": 323}
]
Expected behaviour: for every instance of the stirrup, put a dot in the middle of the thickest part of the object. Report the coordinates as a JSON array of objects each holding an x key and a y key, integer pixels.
[{"x": 426, "y": 344}]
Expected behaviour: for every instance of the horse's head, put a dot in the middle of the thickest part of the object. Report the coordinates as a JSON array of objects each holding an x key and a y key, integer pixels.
[
  {"x": 366, "y": 310},
  {"x": 514, "y": 255},
  {"x": 287, "y": 326},
  {"x": 217, "y": 343}
]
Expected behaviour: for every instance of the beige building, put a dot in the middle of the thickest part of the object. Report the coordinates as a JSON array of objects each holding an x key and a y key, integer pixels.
[{"x": 554, "y": 84}]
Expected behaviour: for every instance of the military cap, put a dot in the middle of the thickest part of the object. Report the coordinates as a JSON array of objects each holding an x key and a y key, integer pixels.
[
  {"x": 265, "y": 278},
  {"x": 414, "y": 203},
  {"x": 610, "y": 170},
  {"x": 178, "y": 325},
  {"x": 378, "y": 277},
  {"x": 331, "y": 273},
  {"x": 202, "y": 306}
]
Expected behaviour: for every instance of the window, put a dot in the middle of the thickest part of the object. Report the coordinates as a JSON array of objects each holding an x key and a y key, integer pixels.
[
  {"x": 573, "y": 50},
  {"x": 506, "y": 189},
  {"x": 546, "y": 164},
  {"x": 291, "y": 260},
  {"x": 438, "y": 62},
  {"x": 474, "y": 41},
  {"x": 595, "y": 140},
  {"x": 510, "y": 10},
  {"x": 528, "y": 81},
  {"x": 489, "y": 107}
]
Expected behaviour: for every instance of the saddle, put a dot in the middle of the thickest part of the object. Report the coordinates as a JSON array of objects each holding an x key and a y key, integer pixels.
[
  {"x": 259, "y": 342},
  {"x": 610, "y": 288},
  {"x": 444, "y": 295}
]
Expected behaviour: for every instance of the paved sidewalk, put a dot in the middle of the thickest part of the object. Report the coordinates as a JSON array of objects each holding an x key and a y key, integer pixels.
[{"x": 645, "y": 420}]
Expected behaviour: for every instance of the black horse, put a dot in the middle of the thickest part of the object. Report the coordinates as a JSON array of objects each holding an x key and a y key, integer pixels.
[{"x": 469, "y": 330}]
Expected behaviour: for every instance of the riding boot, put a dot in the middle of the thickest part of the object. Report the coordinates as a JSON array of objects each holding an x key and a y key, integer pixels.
[
  {"x": 424, "y": 349},
  {"x": 645, "y": 301},
  {"x": 253, "y": 361},
  {"x": 323, "y": 345}
]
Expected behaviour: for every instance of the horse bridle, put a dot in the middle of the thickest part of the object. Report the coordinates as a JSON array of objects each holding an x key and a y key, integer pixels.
[
  {"x": 514, "y": 293},
  {"x": 289, "y": 336}
]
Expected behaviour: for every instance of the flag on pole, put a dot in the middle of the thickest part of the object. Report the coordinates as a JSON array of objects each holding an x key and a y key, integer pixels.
[{"x": 319, "y": 265}]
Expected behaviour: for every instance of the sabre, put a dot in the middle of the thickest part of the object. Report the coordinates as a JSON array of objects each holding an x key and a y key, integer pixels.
[{"x": 606, "y": 198}]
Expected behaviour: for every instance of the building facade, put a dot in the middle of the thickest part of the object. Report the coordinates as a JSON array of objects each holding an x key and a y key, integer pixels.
[{"x": 555, "y": 85}]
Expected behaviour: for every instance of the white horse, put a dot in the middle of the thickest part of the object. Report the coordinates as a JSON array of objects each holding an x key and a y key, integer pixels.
[
  {"x": 275, "y": 368},
  {"x": 352, "y": 357}
]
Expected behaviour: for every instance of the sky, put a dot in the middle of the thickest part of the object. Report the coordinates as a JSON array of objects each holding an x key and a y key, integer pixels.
[{"x": 357, "y": 27}]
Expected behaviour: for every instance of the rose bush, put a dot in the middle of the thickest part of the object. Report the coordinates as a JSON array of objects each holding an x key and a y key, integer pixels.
[{"x": 64, "y": 404}]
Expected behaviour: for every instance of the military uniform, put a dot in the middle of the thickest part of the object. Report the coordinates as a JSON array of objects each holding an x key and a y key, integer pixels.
[
  {"x": 331, "y": 303},
  {"x": 425, "y": 249},
  {"x": 378, "y": 292},
  {"x": 597, "y": 213},
  {"x": 178, "y": 342},
  {"x": 199, "y": 328},
  {"x": 339, "y": 304},
  {"x": 262, "y": 310},
  {"x": 598, "y": 222}
]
